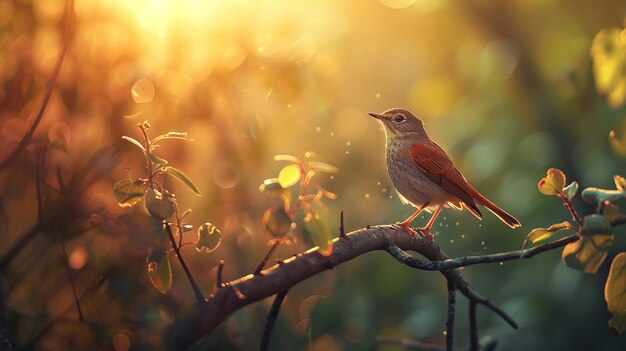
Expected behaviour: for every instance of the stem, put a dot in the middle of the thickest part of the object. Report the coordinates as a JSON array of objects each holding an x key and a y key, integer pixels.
[
  {"x": 451, "y": 311},
  {"x": 342, "y": 229},
  {"x": 219, "y": 282},
  {"x": 271, "y": 320},
  {"x": 568, "y": 205},
  {"x": 71, "y": 277},
  {"x": 473, "y": 327},
  {"x": 261, "y": 265},
  {"x": 183, "y": 264}
]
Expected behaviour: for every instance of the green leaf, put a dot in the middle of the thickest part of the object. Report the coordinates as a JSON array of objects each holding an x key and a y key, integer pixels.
[
  {"x": 134, "y": 142},
  {"x": 209, "y": 238},
  {"x": 160, "y": 270},
  {"x": 172, "y": 135},
  {"x": 289, "y": 176},
  {"x": 620, "y": 182},
  {"x": 539, "y": 234},
  {"x": 182, "y": 177},
  {"x": 129, "y": 192},
  {"x": 553, "y": 183},
  {"x": 287, "y": 158},
  {"x": 571, "y": 190},
  {"x": 596, "y": 224},
  {"x": 156, "y": 159},
  {"x": 323, "y": 167},
  {"x": 158, "y": 205},
  {"x": 615, "y": 293},
  {"x": 597, "y": 195},
  {"x": 277, "y": 221},
  {"x": 320, "y": 234},
  {"x": 588, "y": 253}
]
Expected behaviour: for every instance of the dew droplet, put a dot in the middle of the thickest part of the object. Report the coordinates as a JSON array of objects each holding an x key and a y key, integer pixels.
[
  {"x": 457, "y": 223},
  {"x": 348, "y": 144},
  {"x": 318, "y": 129},
  {"x": 288, "y": 105},
  {"x": 142, "y": 91},
  {"x": 378, "y": 95},
  {"x": 502, "y": 263},
  {"x": 482, "y": 243},
  {"x": 367, "y": 196},
  {"x": 378, "y": 183},
  {"x": 347, "y": 152},
  {"x": 332, "y": 177},
  {"x": 332, "y": 134},
  {"x": 384, "y": 190},
  {"x": 463, "y": 236},
  {"x": 451, "y": 241}
]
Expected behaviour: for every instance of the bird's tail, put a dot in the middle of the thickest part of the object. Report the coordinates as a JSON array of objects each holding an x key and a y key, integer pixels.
[{"x": 500, "y": 213}]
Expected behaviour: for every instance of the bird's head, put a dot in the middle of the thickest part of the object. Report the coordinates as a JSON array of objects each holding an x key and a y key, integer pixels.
[{"x": 400, "y": 122}]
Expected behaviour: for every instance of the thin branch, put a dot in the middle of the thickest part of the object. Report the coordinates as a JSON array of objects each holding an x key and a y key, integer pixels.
[
  {"x": 451, "y": 311},
  {"x": 69, "y": 30},
  {"x": 72, "y": 282},
  {"x": 342, "y": 229},
  {"x": 219, "y": 282},
  {"x": 473, "y": 325},
  {"x": 472, "y": 260},
  {"x": 183, "y": 264},
  {"x": 261, "y": 265},
  {"x": 271, "y": 320},
  {"x": 288, "y": 273},
  {"x": 39, "y": 164}
]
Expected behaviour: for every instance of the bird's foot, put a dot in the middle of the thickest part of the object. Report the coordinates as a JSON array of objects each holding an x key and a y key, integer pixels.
[
  {"x": 426, "y": 232},
  {"x": 406, "y": 227}
]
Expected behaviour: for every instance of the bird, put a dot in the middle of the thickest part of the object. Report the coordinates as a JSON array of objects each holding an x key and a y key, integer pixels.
[{"x": 423, "y": 174}]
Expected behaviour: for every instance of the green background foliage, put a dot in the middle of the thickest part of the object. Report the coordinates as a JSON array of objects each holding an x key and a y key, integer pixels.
[{"x": 508, "y": 88}]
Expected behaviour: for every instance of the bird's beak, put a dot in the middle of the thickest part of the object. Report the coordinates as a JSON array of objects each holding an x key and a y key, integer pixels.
[{"x": 375, "y": 115}]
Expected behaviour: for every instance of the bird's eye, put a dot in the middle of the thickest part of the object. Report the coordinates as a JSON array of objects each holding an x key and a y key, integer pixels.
[{"x": 399, "y": 118}]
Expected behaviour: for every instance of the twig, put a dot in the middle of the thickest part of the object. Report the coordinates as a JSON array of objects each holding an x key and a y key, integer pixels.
[
  {"x": 451, "y": 310},
  {"x": 183, "y": 264},
  {"x": 271, "y": 320},
  {"x": 21, "y": 146},
  {"x": 219, "y": 282},
  {"x": 473, "y": 325},
  {"x": 261, "y": 265},
  {"x": 472, "y": 260},
  {"x": 72, "y": 283},
  {"x": 40, "y": 162},
  {"x": 342, "y": 229}
]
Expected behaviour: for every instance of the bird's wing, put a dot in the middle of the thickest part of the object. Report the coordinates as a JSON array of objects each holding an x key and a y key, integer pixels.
[{"x": 437, "y": 166}]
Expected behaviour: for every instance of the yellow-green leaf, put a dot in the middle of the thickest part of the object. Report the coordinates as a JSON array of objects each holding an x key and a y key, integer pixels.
[
  {"x": 323, "y": 167},
  {"x": 209, "y": 238},
  {"x": 289, "y": 176},
  {"x": 135, "y": 142},
  {"x": 277, "y": 221},
  {"x": 160, "y": 270},
  {"x": 588, "y": 253},
  {"x": 287, "y": 158},
  {"x": 182, "y": 177},
  {"x": 272, "y": 187},
  {"x": 571, "y": 190},
  {"x": 620, "y": 182},
  {"x": 129, "y": 192},
  {"x": 320, "y": 234},
  {"x": 553, "y": 183},
  {"x": 158, "y": 205},
  {"x": 615, "y": 293},
  {"x": 596, "y": 224},
  {"x": 172, "y": 135},
  {"x": 612, "y": 213},
  {"x": 539, "y": 234},
  {"x": 156, "y": 159}
]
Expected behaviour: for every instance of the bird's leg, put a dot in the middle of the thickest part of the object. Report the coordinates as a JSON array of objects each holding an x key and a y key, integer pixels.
[
  {"x": 408, "y": 221},
  {"x": 426, "y": 229}
]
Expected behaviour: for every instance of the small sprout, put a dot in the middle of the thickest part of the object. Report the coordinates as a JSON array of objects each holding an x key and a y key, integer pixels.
[
  {"x": 159, "y": 206},
  {"x": 553, "y": 183},
  {"x": 182, "y": 177},
  {"x": 289, "y": 176},
  {"x": 323, "y": 167},
  {"x": 571, "y": 190},
  {"x": 129, "y": 192},
  {"x": 209, "y": 238},
  {"x": 617, "y": 145},
  {"x": 277, "y": 221},
  {"x": 287, "y": 158},
  {"x": 187, "y": 228},
  {"x": 159, "y": 270},
  {"x": 620, "y": 182},
  {"x": 172, "y": 135}
]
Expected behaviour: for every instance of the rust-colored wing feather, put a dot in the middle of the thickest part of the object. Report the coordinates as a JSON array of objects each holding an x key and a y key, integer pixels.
[{"x": 433, "y": 161}]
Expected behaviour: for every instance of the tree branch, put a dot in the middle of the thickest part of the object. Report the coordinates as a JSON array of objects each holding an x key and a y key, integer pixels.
[
  {"x": 271, "y": 319},
  {"x": 450, "y": 320},
  {"x": 192, "y": 281}
]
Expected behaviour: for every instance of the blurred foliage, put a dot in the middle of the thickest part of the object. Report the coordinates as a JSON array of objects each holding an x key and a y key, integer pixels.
[{"x": 508, "y": 88}]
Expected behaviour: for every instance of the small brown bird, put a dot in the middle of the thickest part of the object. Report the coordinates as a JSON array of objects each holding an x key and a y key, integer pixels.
[{"x": 424, "y": 175}]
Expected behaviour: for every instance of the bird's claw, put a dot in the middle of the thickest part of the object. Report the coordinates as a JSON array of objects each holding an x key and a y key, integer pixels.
[{"x": 426, "y": 232}]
